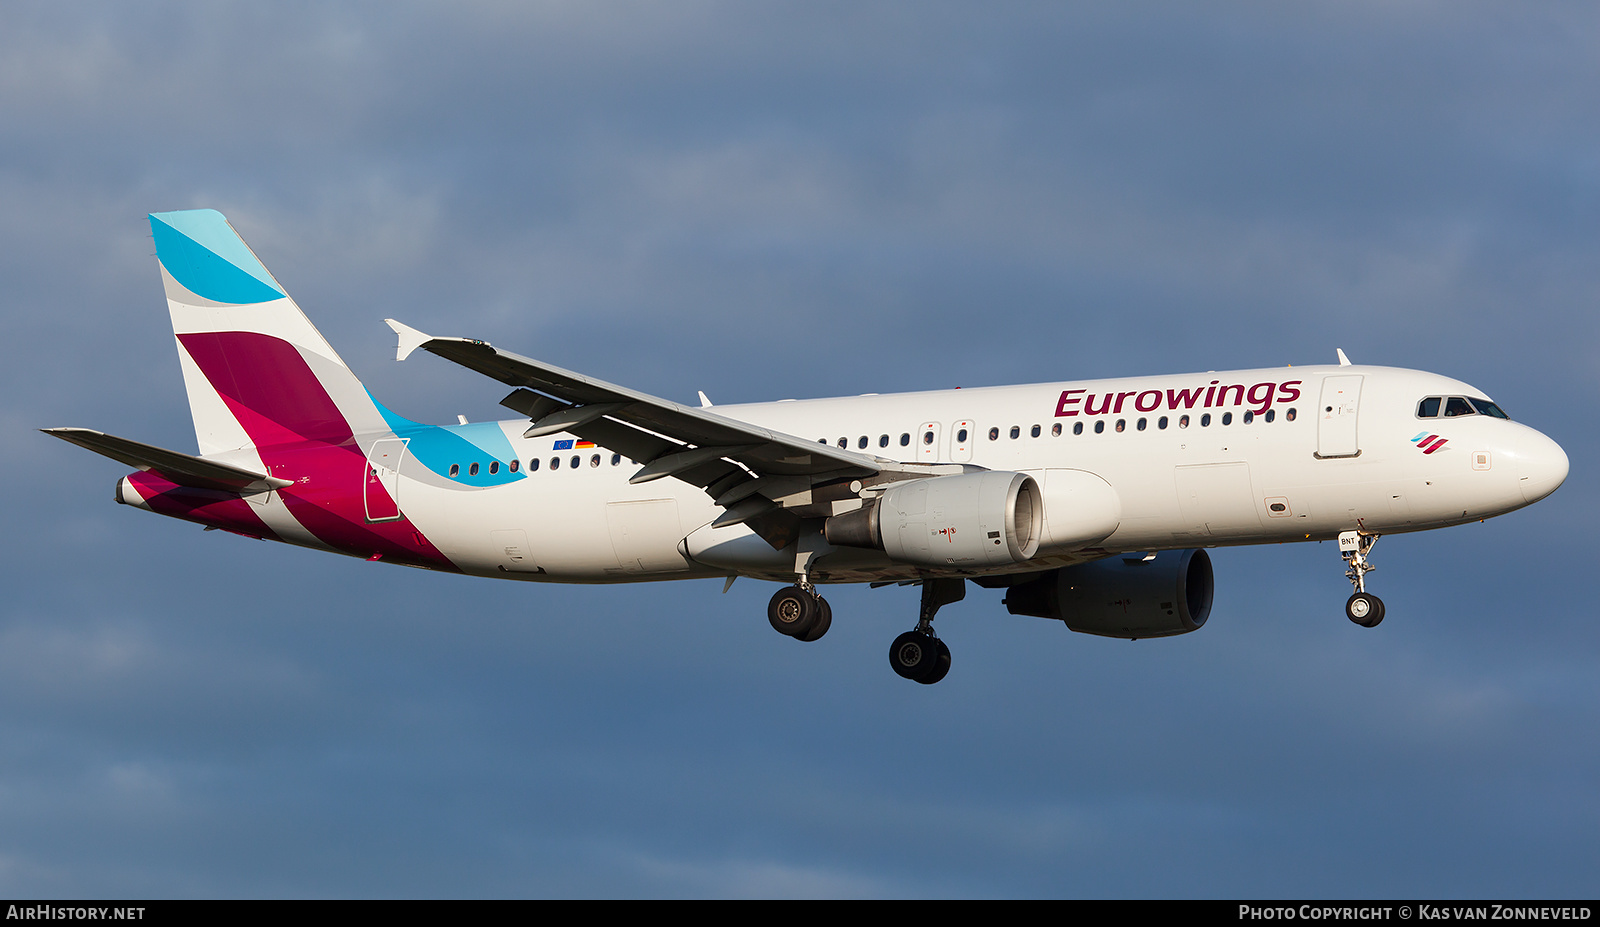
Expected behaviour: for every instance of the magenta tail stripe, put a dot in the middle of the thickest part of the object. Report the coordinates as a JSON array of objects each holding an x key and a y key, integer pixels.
[
  {"x": 297, "y": 429},
  {"x": 207, "y": 506},
  {"x": 268, "y": 386}
]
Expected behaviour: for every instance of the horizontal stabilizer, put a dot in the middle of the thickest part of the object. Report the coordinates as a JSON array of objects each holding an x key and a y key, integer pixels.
[{"x": 183, "y": 469}]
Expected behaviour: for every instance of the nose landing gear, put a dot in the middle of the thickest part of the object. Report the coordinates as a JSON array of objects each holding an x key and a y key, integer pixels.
[{"x": 1363, "y": 607}]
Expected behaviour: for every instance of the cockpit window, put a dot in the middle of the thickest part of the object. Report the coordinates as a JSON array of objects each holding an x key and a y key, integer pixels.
[
  {"x": 1485, "y": 407},
  {"x": 1455, "y": 406}
]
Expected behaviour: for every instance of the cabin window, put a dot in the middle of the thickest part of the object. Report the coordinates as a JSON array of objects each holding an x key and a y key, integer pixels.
[
  {"x": 1205, "y": 420},
  {"x": 1183, "y": 421},
  {"x": 1227, "y": 418},
  {"x": 494, "y": 467},
  {"x": 473, "y": 469},
  {"x": 1100, "y": 427},
  {"x": 1142, "y": 423},
  {"x": 594, "y": 461},
  {"x": 1161, "y": 423},
  {"x": 1016, "y": 432},
  {"x": 861, "y": 443},
  {"x": 1077, "y": 428},
  {"x": 994, "y": 434},
  {"x": 844, "y": 442},
  {"x": 1249, "y": 417},
  {"x": 1055, "y": 430},
  {"x": 905, "y": 439},
  {"x": 1122, "y": 425},
  {"x": 1289, "y": 415},
  {"x": 616, "y": 459},
  {"x": 555, "y": 463},
  {"x": 533, "y": 464},
  {"x": 1271, "y": 414},
  {"x": 1429, "y": 408},
  {"x": 961, "y": 436},
  {"x": 927, "y": 438},
  {"x": 514, "y": 464},
  {"x": 883, "y": 440},
  {"x": 573, "y": 463},
  {"x": 1035, "y": 431},
  {"x": 455, "y": 469}
]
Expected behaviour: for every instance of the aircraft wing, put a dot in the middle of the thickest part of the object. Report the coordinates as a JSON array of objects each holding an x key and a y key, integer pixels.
[
  {"x": 756, "y": 473},
  {"x": 183, "y": 469}
]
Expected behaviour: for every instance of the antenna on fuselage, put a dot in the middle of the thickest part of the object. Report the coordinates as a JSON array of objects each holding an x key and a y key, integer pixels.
[{"x": 1343, "y": 361}]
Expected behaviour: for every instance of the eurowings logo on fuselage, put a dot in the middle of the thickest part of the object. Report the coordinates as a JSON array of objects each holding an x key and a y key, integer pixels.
[
  {"x": 1259, "y": 396},
  {"x": 1428, "y": 442}
]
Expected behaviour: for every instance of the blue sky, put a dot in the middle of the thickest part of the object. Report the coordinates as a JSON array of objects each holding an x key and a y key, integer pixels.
[{"x": 788, "y": 200}]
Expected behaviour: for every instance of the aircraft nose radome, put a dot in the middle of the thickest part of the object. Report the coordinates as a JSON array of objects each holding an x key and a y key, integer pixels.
[{"x": 1544, "y": 468}]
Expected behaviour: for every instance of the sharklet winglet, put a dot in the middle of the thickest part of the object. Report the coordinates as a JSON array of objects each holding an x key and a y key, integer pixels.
[{"x": 410, "y": 339}]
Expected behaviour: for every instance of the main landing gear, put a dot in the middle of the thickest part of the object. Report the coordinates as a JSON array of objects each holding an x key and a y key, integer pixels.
[
  {"x": 799, "y": 612},
  {"x": 1363, "y": 607},
  {"x": 919, "y": 655}
]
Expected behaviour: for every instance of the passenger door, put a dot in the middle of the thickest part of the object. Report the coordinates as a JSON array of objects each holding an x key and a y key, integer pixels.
[
  {"x": 1336, "y": 417},
  {"x": 382, "y": 478}
]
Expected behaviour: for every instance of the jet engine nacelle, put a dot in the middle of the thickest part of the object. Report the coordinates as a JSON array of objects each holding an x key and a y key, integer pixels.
[
  {"x": 1080, "y": 509},
  {"x": 1124, "y": 596},
  {"x": 993, "y": 518}
]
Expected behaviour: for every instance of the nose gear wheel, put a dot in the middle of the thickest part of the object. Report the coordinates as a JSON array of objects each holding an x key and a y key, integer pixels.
[{"x": 1363, "y": 607}]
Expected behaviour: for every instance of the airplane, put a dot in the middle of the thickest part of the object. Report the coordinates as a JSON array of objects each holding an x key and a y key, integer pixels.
[{"x": 1089, "y": 502}]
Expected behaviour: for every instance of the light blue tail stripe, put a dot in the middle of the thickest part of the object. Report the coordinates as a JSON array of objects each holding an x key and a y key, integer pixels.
[
  {"x": 202, "y": 251},
  {"x": 437, "y": 447}
]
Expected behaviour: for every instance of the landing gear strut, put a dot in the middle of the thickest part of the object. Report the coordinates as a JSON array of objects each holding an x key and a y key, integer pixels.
[
  {"x": 799, "y": 612},
  {"x": 919, "y": 655},
  {"x": 1363, "y": 607}
]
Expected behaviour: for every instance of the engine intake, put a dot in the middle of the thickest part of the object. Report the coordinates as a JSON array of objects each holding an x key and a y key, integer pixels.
[
  {"x": 984, "y": 519},
  {"x": 1123, "y": 596}
]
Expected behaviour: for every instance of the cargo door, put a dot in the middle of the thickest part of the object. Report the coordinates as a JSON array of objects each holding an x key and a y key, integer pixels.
[
  {"x": 645, "y": 535},
  {"x": 1216, "y": 499},
  {"x": 511, "y": 550}
]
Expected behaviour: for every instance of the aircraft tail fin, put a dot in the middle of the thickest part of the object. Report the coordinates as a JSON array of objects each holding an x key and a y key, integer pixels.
[{"x": 256, "y": 370}]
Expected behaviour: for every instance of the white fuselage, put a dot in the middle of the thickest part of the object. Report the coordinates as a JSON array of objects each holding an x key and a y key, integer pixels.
[{"x": 1313, "y": 467}]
